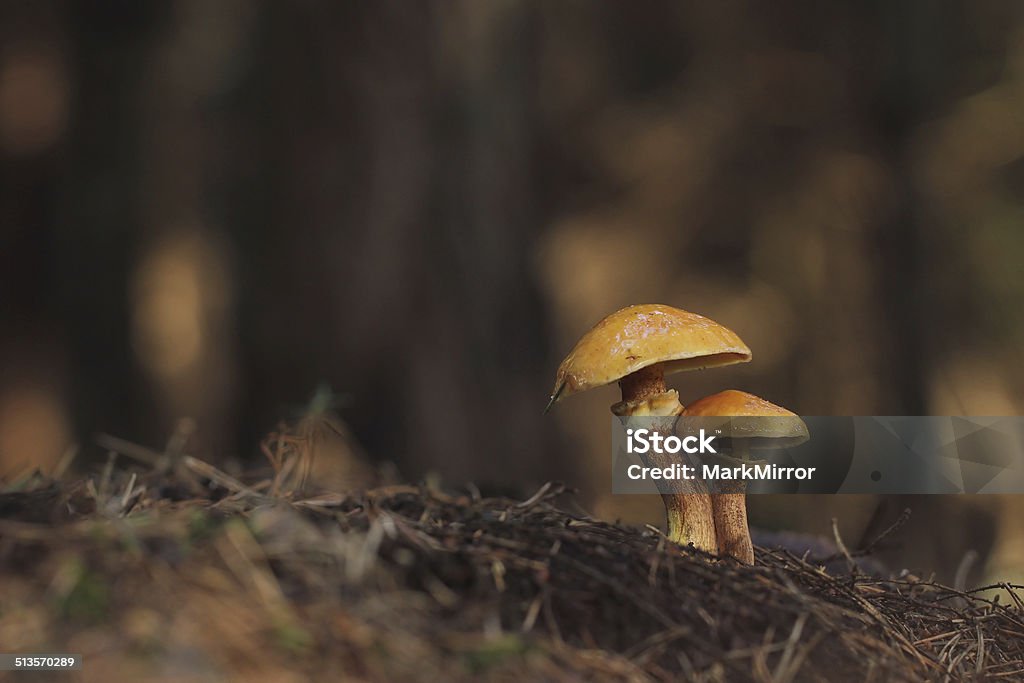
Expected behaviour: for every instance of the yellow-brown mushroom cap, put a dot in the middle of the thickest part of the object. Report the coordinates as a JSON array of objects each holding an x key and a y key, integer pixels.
[
  {"x": 786, "y": 425},
  {"x": 639, "y": 336},
  {"x": 732, "y": 403}
]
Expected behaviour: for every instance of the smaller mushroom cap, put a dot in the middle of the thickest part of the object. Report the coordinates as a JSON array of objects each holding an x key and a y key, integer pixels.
[
  {"x": 639, "y": 336},
  {"x": 773, "y": 426}
]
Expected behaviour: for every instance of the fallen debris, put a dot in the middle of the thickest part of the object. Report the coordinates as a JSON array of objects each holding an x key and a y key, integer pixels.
[{"x": 158, "y": 571}]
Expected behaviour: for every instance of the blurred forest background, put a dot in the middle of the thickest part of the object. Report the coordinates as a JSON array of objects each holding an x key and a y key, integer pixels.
[{"x": 209, "y": 208}]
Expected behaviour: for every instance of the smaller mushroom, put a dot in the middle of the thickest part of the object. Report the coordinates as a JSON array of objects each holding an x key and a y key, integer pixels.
[
  {"x": 730, "y": 508},
  {"x": 636, "y": 347}
]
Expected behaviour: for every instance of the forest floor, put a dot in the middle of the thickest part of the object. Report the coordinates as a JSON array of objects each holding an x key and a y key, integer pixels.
[{"x": 167, "y": 568}]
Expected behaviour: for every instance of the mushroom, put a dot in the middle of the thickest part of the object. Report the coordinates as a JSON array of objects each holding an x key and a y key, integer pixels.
[
  {"x": 730, "y": 509},
  {"x": 636, "y": 347}
]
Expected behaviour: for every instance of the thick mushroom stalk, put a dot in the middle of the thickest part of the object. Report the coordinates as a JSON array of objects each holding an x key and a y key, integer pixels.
[
  {"x": 781, "y": 428},
  {"x": 636, "y": 347},
  {"x": 688, "y": 505}
]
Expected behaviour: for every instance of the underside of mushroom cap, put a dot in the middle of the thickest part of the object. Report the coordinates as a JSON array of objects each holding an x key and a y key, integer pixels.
[{"x": 640, "y": 336}]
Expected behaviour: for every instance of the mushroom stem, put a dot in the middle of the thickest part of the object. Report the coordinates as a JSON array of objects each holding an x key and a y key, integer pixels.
[
  {"x": 730, "y": 513},
  {"x": 689, "y": 511},
  {"x": 731, "y": 531},
  {"x": 691, "y": 520},
  {"x": 643, "y": 384}
]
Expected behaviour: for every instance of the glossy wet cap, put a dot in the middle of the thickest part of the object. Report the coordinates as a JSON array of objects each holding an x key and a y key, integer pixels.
[
  {"x": 639, "y": 336},
  {"x": 774, "y": 423}
]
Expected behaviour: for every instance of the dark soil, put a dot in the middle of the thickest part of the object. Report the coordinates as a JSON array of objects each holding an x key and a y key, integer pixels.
[{"x": 174, "y": 570}]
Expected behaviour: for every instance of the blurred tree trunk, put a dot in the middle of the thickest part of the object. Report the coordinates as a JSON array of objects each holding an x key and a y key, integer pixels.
[
  {"x": 96, "y": 229},
  {"x": 914, "y": 82},
  {"x": 403, "y": 148}
]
